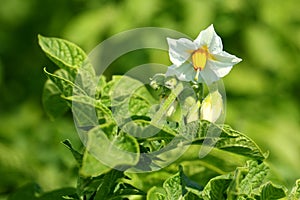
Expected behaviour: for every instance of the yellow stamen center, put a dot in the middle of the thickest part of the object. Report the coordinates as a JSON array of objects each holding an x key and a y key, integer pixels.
[{"x": 199, "y": 59}]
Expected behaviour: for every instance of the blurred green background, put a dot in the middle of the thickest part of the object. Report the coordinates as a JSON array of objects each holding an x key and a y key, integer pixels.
[{"x": 263, "y": 91}]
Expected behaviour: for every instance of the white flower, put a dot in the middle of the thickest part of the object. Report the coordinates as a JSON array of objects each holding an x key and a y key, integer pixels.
[
  {"x": 201, "y": 60},
  {"x": 212, "y": 107}
]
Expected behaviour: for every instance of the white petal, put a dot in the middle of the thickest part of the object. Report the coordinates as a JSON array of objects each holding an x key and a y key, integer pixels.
[
  {"x": 209, "y": 38},
  {"x": 211, "y": 107},
  {"x": 180, "y": 50},
  {"x": 184, "y": 72},
  {"x": 172, "y": 71},
  {"x": 219, "y": 69},
  {"x": 223, "y": 63},
  {"x": 208, "y": 76},
  {"x": 226, "y": 58}
]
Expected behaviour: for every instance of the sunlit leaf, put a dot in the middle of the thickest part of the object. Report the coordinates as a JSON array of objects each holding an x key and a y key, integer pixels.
[
  {"x": 64, "y": 54},
  {"x": 216, "y": 188},
  {"x": 295, "y": 193},
  {"x": 108, "y": 185},
  {"x": 115, "y": 150},
  {"x": 78, "y": 156},
  {"x": 173, "y": 187},
  {"x": 178, "y": 186},
  {"x": 91, "y": 167},
  {"x": 129, "y": 97},
  {"x": 53, "y": 104},
  {"x": 62, "y": 81},
  {"x": 89, "y": 112},
  {"x": 156, "y": 193},
  {"x": 73, "y": 60},
  {"x": 256, "y": 174},
  {"x": 227, "y": 139},
  {"x": 270, "y": 191}
]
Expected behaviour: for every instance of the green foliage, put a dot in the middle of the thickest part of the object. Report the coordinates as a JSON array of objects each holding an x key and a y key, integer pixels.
[
  {"x": 270, "y": 191},
  {"x": 264, "y": 33},
  {"x": 109, "y": 135},
  {"x": 295, "y": 193},
  {"x": 64, "y": 54},
  {"x": 229, "y": 186},
  {"x": 231, "y": 141}
]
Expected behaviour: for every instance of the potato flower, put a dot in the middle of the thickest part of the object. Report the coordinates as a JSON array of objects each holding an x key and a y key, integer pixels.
[
  {"x": 202, "y": 60},
  {"x": 212, "y": 107}
]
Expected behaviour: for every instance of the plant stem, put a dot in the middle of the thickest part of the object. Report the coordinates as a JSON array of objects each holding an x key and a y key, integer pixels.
[{"x": 166, "y": 105}]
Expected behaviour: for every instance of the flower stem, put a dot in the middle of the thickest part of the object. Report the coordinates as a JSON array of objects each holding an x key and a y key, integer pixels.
[
  {"x": 156, "y": 120},
  {"x": 199, "y": 89},
  {"x": 201, "y": 92}
]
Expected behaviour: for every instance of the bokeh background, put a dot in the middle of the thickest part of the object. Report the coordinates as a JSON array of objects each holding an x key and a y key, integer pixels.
[{"x": 263, "y": 91}]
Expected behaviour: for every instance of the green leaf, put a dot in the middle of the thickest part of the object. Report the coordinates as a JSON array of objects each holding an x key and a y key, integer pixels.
[
  {"x": 129, "y": 97},
  {"x": 109, "y": 185},
  {"x": 64, "y": 54},
  {"x": 270, "y": 191},
  {"x": 144, "y": 129},
  {"x": 247, "y": 179},
  {"x": 60, "y": 85},
  {"x": 73, "y": 61},
  {"x": 295, "y": 193},
  {"x": 53, "y": 104},
  {"x": 91, "y": 167},
  {"x": 178, "y": 186},
  {"x": 138, "y": 106},
  {"x": 216, "y": 188},
  {"x": 187, "y": 184},
  {"x": 192, "y": 196},
  {"x": 108, "y": 88},
  {"x": 106, "y": 189},
  {"x": 244, "y": 183},
  {"x": 78, "y": 156},
  {"x": 87, "y": 186},
  {"x": 173, "y": 187},
  {"x": 221, "y": 159},
  {"x": 125, "y": 189},
  {"x": 254, "y": 178},
  {"x": 115, "y": 150},
  {"x": 64, "y": 82},
  {"x": 89, "y": 112},
  {"x": 227, "y": 139},
  {"x": 59, "y": 194},
  {"x": 156, "y": 193},
  {"x": 86, "y": 80},
  {"x": 101, "y": 83}
]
